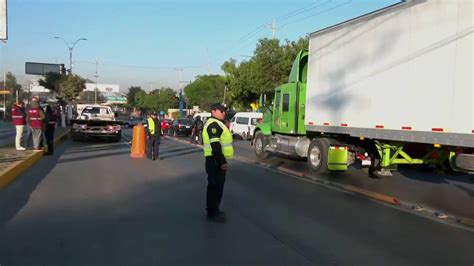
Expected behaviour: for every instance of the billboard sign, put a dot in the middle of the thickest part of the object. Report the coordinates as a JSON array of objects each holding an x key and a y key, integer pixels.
[
  {"x": 43, "y": 68},
  {"x": 106, "y": 89},
  {"x": 3, "y": 20}
]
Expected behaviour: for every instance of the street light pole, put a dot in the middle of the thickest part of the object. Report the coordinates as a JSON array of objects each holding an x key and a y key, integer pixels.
[
  {"x": 96, "y": 76},
  {"x": 70, "y": 46}
]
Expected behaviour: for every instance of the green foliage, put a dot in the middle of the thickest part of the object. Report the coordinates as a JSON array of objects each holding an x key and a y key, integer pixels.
[
  {"x": 11, "y": 85},
  {"x": 268, "y": 68},
  {"x": 51, "y": 81},
  {"x": 132, "y": 95},
  {"x": 205, "y": 91},
  {"x": 70, "y": 87},
  {"x": 157, "y": 100}
]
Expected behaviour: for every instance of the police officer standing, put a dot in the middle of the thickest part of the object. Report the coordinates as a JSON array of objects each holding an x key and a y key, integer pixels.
[
  {"x": 50, "y": 123},
  {"x": 154, "y": 135},
  {"x": 217, "y": 148},
  {"x": 197, "y": 130}
]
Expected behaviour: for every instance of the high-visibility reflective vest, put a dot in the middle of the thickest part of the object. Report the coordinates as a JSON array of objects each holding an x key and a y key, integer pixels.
[
  {"x": 151, "y": 125},
  {"x": 225, "y": 139},
  {"x": 17, "y": 117},
  {"x": 34, "y": 115}
]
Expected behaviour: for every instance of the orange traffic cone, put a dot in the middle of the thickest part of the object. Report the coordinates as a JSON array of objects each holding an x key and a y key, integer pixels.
[{"x": 138, "y": 142}]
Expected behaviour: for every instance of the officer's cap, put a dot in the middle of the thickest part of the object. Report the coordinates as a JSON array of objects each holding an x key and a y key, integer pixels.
[{"x": 218, "y": 106}]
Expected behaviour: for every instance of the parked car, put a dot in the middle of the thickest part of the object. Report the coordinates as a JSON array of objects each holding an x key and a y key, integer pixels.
[
  {"x": 166, "y": 125},
  {"x": 243, "y": 124},
  {"x": 204, "y": 116},
  {"x": 133, "y": 121},
  {"x": 181, "y": 126}
]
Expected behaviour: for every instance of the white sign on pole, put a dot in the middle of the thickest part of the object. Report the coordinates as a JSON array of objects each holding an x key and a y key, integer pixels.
[{"x": 3, "y": 20}]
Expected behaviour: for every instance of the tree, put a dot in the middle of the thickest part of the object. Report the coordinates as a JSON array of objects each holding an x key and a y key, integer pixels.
[
  {"x": 11, "y": 85},
  {"x": 132, "y": 95},
  {"x": 51, "y": 81},
  {"x": 157, "y": 100},
  {"x": 205, "y": 91},
  {"x": 71, "y": 86},
  {"x": 268, "y": 68}
]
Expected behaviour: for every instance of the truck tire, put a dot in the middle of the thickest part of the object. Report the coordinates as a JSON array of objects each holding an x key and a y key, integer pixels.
[
  {"x": 318, "y": 156},
  {"x": 259, "y": 145}
]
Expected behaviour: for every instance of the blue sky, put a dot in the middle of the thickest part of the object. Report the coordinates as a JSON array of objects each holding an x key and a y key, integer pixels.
[{"x": 142, "y": 42}]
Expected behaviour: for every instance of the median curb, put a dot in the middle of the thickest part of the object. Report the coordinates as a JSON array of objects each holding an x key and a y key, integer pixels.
[{"x": 10, "y": 173}]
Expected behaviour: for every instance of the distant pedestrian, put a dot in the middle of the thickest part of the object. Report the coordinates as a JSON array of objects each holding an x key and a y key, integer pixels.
[
  {"x": 35, "y": 121},
  {"x": 154, "y": 135},
  {"x": 19, "y": 121},
  {"x": 217, "y": 141},
  {"x": 50, "y": 123},
  {"x": 197, "y": 127}
]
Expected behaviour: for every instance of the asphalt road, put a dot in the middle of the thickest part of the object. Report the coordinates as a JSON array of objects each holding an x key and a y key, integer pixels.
[
  {"x": 90, "y": 204},
  {"x": 7, "y": 136}
]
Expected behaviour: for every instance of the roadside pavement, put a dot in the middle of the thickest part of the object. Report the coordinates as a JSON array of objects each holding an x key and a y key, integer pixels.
[{"x": 9, "y": 157}]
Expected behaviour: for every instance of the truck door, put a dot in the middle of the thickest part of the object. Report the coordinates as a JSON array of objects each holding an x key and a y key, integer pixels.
[
  {"x": 287, "y": 115},
  {"x": 276, "y": 111}
]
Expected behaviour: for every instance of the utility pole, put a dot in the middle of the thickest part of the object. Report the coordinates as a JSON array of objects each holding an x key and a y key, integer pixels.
[
  {"x": 96, "y": 76},
  {"x": 225, "y": 89},
  {"x": 180, "y": 69},
  {"x": 274, "y": 28}
]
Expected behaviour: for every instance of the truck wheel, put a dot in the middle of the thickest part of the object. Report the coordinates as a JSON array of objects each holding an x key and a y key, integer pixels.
[
  {"x": 318, "y": 156},
  {"x": 259, "y": 146}
]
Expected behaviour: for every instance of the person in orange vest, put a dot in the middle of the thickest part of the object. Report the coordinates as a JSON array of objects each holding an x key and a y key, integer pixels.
[
  {"x": 19, "y": 121},
  {"x": 50, "y": 123},
  {"x": 35, "y": 120}
]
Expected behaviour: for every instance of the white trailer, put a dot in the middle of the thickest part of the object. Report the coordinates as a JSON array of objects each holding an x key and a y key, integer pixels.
[
  {"x": 402, "y": 73},
  {"x": 394, "y": 86}
]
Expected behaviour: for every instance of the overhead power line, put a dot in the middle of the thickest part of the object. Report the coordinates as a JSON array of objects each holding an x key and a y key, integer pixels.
[
  {"x": 303, "y": 10},
  {"x": 142, "y": 66},
  {"x": 318, "y": 13}
]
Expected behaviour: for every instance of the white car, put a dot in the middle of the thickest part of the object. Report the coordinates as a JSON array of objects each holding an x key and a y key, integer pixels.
[
  {"x": 204, "y": 116},
  {"x": 243, "y": 124}
]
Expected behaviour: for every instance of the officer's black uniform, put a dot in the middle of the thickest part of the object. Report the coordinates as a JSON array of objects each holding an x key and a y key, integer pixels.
[
  {"x": 215, "y": 175},
  {"x": 197, "y": 130},
  {"x": 154, "y": 139}
]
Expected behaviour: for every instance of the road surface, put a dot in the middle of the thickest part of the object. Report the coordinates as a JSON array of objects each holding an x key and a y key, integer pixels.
[{"x": 90, "y": 204}]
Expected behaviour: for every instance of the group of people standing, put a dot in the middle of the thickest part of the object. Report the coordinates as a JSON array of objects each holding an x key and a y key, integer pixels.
[{"x": 40, "y": 122}]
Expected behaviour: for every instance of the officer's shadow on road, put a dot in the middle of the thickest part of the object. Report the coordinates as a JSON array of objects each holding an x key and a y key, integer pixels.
[
  {"x": 177, "y": 152},
  {"x": 15, "y": 196},
  {"x": 88, "y": 151}
]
